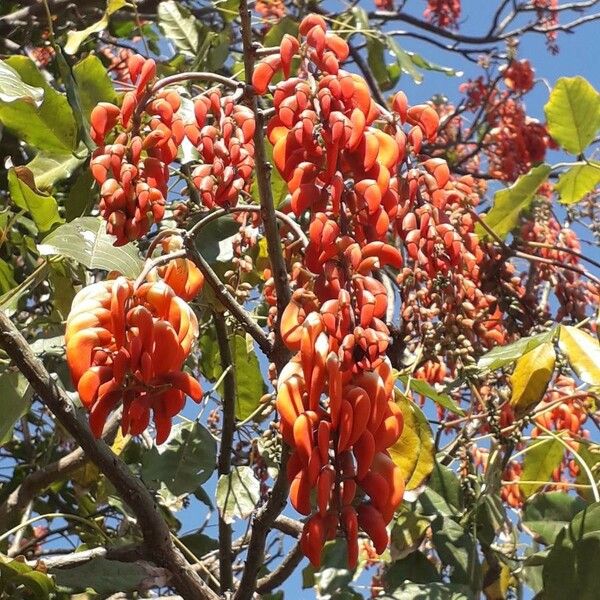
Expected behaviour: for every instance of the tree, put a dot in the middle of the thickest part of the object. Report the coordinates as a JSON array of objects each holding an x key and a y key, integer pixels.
[{"x": 258, "y": 307}]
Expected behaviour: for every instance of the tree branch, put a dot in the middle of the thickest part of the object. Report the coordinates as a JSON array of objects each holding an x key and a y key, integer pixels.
[
  {"x": 157, "y": 537},
  {"x": 224, "y": 463},
  {"x": 282, "y": 572}
]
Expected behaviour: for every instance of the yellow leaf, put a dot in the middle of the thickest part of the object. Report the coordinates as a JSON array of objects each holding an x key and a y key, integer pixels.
[
  {"x": 532, "y": 375},
  {"x": 120, "y": 442},
  {"x": 413, "y": 452},
  {"x": 583, "y": 353},
  {"x": 496, "y": 582}
]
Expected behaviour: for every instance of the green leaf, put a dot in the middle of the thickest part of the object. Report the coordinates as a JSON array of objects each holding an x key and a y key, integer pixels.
[
  {"x": 505, "y": 355},
  {"x": 571, "y": 568},
  {"x": 541, "y": 459},
  {"x": 237, "y": 494},
  {"x": 429, "y": 591},
  {"x": 179, "y": 25},
  {"x": 12, "y": 87},
  {"x": 404, "y": 60},
  {"x": 408, "y": 531},
  {"x": 421, "y": 387},
  {"x": 275, "y": 34},
  {"x": 184, "y": 462},
  {"x": 334, "y": 574},
  {"x": 424, "y": 63},
  {"x": 214, "y": 243},
  {"x": 547, "y": 514},
  {"x": 590, "y": 454},
  {"x": 18, "y": 574},
  {"x": 76, "y": 38},
  {"x": 199, "y": 544},
  {"x": 413, "y": 452},
  {"x": 47, "y": 169},
  {"x": 85, "y": 240},
  {"x": 415, "y": 567},
  {"x": 250, "y": 386},
  {"x": 51, "y": 126},
  {"x": 573, "y": 113},
  {"x": 23, "y": 192},
  {"x": 577, "y": 182},
  {"x": 7, "y": 278},
  {"x": 94, "y": 83},
  {"x": 445, "y": 483},
  {"x": 582, "y": 351},
  {"x": 15, "y": 394},
  {"x": 456, "y": 548},
  {"x": 81, "y": 195},
  {"x": 510, "y": 202},
  {"x": 101, "y": 575},
  {"x": 386, "y": 78},
  {"x": 532, "y": 375},
  {"x": 230, "y": 9}
]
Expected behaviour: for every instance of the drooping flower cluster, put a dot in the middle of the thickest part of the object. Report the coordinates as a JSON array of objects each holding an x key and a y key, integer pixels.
[{"x": 127, "y": 345}]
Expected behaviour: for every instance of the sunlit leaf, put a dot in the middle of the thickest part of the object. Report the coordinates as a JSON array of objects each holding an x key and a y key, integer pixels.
[
  {"x": 93, "y": 82},
  {"x": 421, "y": 387},
  {"x": 577, "y": 182},
  {"x": 237, "y": 494},
  {"x": 532, "y": 375},
  {"x": 250, "y": 386},
  {"x": 542, "y": 457},
  {"x": 48, "y": 169},
  {"x": 573, "y": 113},
  {"x": 413, "y": 452},
  {"x": 23, "y": 192},
  {"x": 50, "y": 127},
  {"x": 76, "y": 38},
  {"x": 582, "y": 351},
  {"x": 407, "y": 533},
  {"x": 500, "y": 356},
  {"x": 86, "y": 241},
  {"x": 179, "y": 25},
  {"x": 430, "y": 591},
  {"x": 7, "y": 278},
  {"x": 17, "y": 573},
  {"x": 510, "y": 202},
  {"x": 496, "y": 582},
  {"x": 184, "y": 462},
  {"x": 12, "y": 87}
]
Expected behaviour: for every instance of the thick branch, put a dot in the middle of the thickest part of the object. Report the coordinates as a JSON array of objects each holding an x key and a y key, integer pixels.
[
  {"x": 157, "y": 537},
  {"x": 224, "y": 464}
]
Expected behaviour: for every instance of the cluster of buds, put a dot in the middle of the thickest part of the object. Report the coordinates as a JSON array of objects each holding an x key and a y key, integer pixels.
[
  {"x": 132, "y": 170},
  {"x": 128, "y": 345},
  {"x": 223, "y": 134},
  {"x": 444, "y": 13}
]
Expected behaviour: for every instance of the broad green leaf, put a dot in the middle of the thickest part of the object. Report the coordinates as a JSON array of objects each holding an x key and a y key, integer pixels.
[
  {"x": 250, "y": 386},
  {"x": 573, "y": 113},
  {"x": 102, "y": 575},
  {"x": 590, "y": 454},
  {"x": 577, "y": 182},
  {"x": 85, "y": 240},
  {"x": 423, "y": 63},
  {"x": 230, "y": 9},
  {"x": 7, "y": 279},
  {"x": 51, "y": 127},
  {"x": 571, "y": 568},
  {"x": 532, "y": 375},
  {"x": 17, "y": 573},
  {"x": 404, "y": 60},
  {"x": 429, "y": 591},
  {"x": 408, "y": 531},
  {"x": 93, "y": 82},
  {"x": 184, "y": 462},
  {"x": 546, "y": 514},
  {"x": 81, "y": 195},
  {"x": 510, "y": 202},
  {"x": 277, "y": 31},
  {"x": 23, "y": 192},
  {"x": 542, "y": 457},
  {"x": 76, "y": 38},
  {"x": 237, "y": 494},
  {"x": 582, "y": 351},
  {"x": 199, "y": 544},
  {"x": 445, "y": 483},
  {"x": 386, "y": 77},
  {"x": 47, "y": 169},
  {"x": 421, "y": 387},
  {"x": 415, "y": 567},
  {"x": 456, "y": 548},
  {"x": 334, "y": 574},
  {"x": 179, "y": 25},
  {"x": 413, "y": 452},
  {"x": 214, "y": 242},
  {"x": 12, "y": 87},
  {"x": 15, "y": 394},
  {"x": 505, "y": 355}
]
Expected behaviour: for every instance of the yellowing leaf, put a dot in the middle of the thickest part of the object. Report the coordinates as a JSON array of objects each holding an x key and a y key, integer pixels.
[
  {"x": 531, "y": 376},
  {"x": 541, "y": 459},
  {"x": 583, "y": 353},
  {"x": 413, "y": 452},
  {"x": 496, "y": 581}
]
